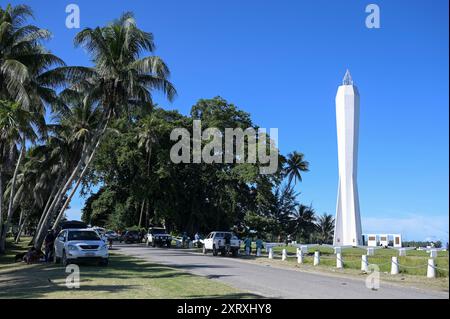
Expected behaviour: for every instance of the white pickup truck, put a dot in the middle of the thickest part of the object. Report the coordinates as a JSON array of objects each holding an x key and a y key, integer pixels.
[{"x": 225, "y": 242}]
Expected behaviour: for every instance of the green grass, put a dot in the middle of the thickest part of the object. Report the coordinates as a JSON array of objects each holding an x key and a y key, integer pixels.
[
  {"x": 414, "y": 263},
  {"x": 125, "y": 277}
]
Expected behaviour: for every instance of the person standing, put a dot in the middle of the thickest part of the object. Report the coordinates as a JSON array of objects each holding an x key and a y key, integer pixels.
[
  {"x": 248, "y": 245},
  {"x": 48, "y": 243},
  {"x": 259, "y": 245},
  {"x": 197, "y": 239}
]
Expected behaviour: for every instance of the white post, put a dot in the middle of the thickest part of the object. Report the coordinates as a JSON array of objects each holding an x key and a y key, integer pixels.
[
  {"x": 258, "y": 252},
  {"x": 364, "y": 263},
  {"x": 337, "y": 250},
  {"x": 402, "y": 252},
  {"x": 339, "y": 263},
  {"x": 299, "y": 256},
  {"x": 433, "y": 253},
  {"x": 370, "y": 251},
  {"x": 284, "y": 255},
  {"x": 431, "y": 271},
  {"x": 316, "y": 258},
  {"x": 394, "y": 266},
  {"x": 270, "y": 253},
  {"x": 304, "y": 249}
]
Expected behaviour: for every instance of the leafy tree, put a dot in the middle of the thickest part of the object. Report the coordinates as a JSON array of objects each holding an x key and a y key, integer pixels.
[{"x": 325, "y": 228}]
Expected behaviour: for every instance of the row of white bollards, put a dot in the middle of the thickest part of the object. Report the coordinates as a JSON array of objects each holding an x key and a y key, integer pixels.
[{"x": 431, "y": 269}]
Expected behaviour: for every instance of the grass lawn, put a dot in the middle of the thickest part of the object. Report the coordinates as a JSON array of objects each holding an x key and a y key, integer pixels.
[{"x": 125, "y": 277}]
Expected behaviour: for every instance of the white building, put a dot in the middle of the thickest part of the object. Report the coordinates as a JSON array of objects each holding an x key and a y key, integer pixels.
[{"x": 347, "y": 229}]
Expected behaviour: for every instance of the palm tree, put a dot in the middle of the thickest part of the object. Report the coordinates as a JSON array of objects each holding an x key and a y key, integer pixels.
[
  {"x": 16, "y": 126},
  {"x": 66, "y": 146},
  {"x": 121, "y": 82},
  {"x": 303, "y": 221},
  {"x": 325, "y": 228},
  {"x": 27, "y": 74},
  {"x": 151, "y": 126},
  {"x": 295, "y": 164}
]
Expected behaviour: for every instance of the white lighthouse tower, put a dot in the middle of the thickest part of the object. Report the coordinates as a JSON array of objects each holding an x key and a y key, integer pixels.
[{"x": 347, "y": 229}]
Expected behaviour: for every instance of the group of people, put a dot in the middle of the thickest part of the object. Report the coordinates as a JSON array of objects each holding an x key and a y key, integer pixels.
[{"x": 248, "y": 245}]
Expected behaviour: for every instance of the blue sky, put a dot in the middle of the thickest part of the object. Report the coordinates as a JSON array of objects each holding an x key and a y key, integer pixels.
[{"x": 283, "y": 60}]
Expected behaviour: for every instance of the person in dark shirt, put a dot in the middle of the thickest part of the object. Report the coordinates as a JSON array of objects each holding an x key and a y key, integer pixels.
[{"x": 48, "y": 242}]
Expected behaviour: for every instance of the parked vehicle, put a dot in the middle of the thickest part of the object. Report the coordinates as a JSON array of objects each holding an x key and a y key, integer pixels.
[
  {"x": 130, "y": 237},
  {"x": 101, "y": 232},
  {"x": 111, "y": 235},
  {"x": 223, "y": 242},
  {"x": 74, "y": 245},
  {"x": 158, "y": 236}
]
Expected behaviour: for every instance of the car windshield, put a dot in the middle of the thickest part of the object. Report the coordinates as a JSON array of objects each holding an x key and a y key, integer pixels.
[
  {"x": 158, "y": 231},
  {"x": 83, "y": 235}
]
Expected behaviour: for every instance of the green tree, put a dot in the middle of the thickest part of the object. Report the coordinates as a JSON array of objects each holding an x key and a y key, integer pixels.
[
  {"x": 325, "y": 228},
  {"x": 121, "y": 82},
  {"x": 295, "y": 165}
]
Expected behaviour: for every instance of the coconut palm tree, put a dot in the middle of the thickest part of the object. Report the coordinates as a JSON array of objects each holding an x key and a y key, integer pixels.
[
  {"x": 121, "y": 81},
  {"x": 303, "y": 221},
  {"x": 29, "y": 74},
  {"x": 325, "y": 228},
  {"x": 294, "y": 166},
  {"x": 16, "y": 126},
  {"x": 68, "y": 140},
  {"x": 151, "y": 126}
]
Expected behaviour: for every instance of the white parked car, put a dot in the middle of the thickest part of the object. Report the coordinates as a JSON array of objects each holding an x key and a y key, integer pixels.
[
  {"x": 158, "y": 236},
  {"x": 225, "y": 242},
  {"x": 74, "y": 245}
]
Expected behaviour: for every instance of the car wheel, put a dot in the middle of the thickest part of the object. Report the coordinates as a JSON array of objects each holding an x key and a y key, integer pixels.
[
  {"x": 153, "y": 244},
  {"x": 168, "y": 244},
  {"x": 235, "y": 252},
  {"x": 215, "y": 251}
]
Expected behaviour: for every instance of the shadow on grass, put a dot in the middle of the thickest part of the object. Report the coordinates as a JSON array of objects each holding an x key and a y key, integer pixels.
[{"x": 39, "y": 280}]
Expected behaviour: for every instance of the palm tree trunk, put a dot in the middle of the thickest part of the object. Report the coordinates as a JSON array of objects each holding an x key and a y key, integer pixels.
[
  {"x": 2, "y": 247},
  {"x": 142, "y": 213},
  {"x": 49, "y": 200},
  {"x": 21, "y": 226},
  {"x": 83, "y": 172},
  {"x": 11, "y": 200},
  {"x": 41, "y": 232}
]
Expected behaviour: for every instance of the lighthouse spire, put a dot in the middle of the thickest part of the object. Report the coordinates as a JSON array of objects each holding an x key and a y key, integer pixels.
[{"x": 347, "y": 78}]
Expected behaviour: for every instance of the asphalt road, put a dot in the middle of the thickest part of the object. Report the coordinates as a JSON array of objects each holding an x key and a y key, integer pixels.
[{"x": 269, "y": 281}]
